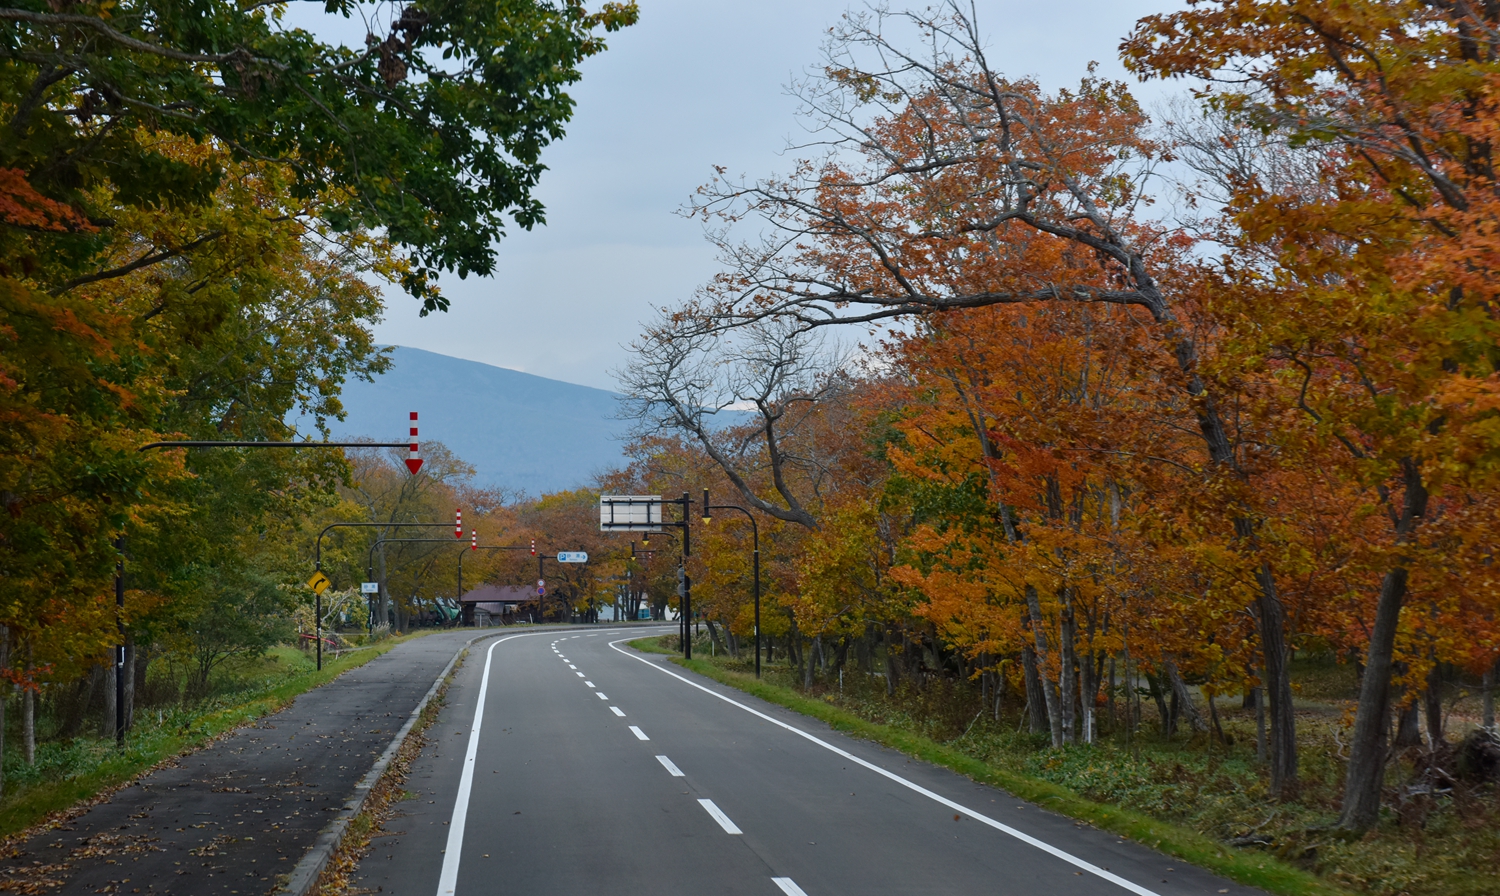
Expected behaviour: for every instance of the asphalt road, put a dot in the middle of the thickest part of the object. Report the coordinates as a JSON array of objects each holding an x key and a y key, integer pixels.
[{"x": 566, "y": 763}]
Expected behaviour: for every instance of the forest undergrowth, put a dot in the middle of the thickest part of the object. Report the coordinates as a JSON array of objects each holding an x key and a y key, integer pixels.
[{"x": 1431, "y": 841}]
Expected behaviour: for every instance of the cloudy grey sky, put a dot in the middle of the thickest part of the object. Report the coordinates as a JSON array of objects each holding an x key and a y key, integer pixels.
[{"x": 696, "y": 83}]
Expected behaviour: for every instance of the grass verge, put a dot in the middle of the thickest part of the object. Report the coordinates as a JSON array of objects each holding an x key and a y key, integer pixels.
[
  {"x": 95, "y": 769},
  {"x": 1251, "y": 869}
]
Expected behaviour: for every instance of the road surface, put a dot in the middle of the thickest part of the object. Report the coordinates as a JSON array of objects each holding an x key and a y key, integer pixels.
[{"x": 567, "y": 763}]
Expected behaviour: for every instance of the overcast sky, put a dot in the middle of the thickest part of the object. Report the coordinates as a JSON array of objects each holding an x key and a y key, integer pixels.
[{"x": 696, "y": 83}]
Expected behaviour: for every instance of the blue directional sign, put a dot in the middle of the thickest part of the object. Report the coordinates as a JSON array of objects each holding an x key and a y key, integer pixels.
[{"x": 572, "y": 557}]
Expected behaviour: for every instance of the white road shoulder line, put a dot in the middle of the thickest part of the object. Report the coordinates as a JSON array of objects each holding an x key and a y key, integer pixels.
[
  {"x": 639, "y": 734},
  {"x": 720, "y": 817},
  {"x": 448, "y": 879},
  {"x": 1024, "y": 837},
  {"x": 617, "y": 711},
  {"x": 788, "y": 886},
  {"x": 670, "y": 767}
]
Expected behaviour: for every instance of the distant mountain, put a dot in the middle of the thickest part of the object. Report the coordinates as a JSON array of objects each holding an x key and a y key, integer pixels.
[{"x": 516, "y": 429}]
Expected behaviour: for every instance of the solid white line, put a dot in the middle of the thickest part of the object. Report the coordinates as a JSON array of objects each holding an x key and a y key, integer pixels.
[
  {"x": 669, "y": 766},
  {"x": 448, "y": 880},
  {"x": 720, "y": 817},
  {"x": 1029, "y": 840},
  {"x": 617, "y": 711},
  {"x": 600, "y": 695},
  {"x": 788, "y": 886},
  {"x": 639, "y": 734}
]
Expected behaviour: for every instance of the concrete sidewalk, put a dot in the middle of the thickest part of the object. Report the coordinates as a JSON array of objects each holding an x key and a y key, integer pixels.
[{"x": 233, "y": 818}]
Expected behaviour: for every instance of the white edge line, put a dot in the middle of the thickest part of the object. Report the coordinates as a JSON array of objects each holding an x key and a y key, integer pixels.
[
  {"x": 788, "y": 886},
  {"x": 720, "y": 817},
  {"x": 671, "y": 767},
  {"x": 1029, "y": 840},
  {"x": 448, "y": 879}
]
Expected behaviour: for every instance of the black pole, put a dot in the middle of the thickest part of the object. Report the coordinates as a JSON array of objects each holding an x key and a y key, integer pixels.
[
  {"x": 687, "y": 580},
  {"x": 120, "y": 650}
]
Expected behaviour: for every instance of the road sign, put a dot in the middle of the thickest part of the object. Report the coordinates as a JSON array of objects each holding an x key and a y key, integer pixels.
[
  {"x": 572, "y": 557},
  {"x": 319, "y": 582},
  {"x": 369, "y": 587},
  {"x": 630, "y": 513}
]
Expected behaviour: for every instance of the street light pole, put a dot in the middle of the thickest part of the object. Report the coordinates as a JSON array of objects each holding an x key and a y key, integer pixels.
[
  {"x": 755, "y": 536},
  {"x": 120, "y": 545},
  {"x": 318, "y": 563}
]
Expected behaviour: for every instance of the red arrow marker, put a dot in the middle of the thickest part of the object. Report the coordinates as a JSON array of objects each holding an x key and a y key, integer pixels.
[{"x": 414, "y": 462}]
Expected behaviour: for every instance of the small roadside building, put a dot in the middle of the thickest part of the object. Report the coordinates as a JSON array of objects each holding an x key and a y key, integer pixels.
[{"x": 494, "y": 604}]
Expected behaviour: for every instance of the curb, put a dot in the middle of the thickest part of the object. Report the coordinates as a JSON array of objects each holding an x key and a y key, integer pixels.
[{"x": 306, "y": 872}]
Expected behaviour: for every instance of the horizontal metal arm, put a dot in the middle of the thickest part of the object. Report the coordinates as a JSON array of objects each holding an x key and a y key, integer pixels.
[{"x": 195, "y": 444}]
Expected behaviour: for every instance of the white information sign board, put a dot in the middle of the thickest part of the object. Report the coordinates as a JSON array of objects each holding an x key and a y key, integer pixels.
[
  {"x": 630, "y": 513},
  {"x": 369, "y": 587}
]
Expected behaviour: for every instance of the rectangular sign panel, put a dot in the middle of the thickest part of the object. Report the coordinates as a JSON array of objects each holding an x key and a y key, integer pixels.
[
  {"x": 630, "y": 513},
  {"x": 572, "y": 557},
  {"x": 369, "y": 587}
]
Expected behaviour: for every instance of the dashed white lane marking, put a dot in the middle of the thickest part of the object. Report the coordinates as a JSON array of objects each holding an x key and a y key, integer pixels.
[
  {"x": 639, "y": 734},
  {"x": 788, "y": 886},
  {"x": 667, "y": 764},
  {"x": 720, "y": 817},
  {"x": 617, "y": 711},
  {"x": 571, "y": 666},
  {"x": 589, "y": 683},
  {"x": 600, "y": 695},
  {"x": 1006, "y": 829},
  {"x": 579, "y": 674}
]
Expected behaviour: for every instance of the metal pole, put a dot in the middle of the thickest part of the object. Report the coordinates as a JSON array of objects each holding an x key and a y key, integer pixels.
[
  {"x": 687, "y": 580},
  {"x": 318, "y": 609},
  {"x": 120, "y": 650}
]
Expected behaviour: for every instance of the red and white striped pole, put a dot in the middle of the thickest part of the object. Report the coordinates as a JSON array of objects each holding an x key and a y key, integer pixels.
[
  {"x": 414, "y": 461},
  {"x": 458, "y": 524},
  {"x": 473, "y": 540}
]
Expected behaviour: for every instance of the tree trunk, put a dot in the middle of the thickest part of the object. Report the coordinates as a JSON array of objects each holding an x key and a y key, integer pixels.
[
  {"x": 1408, "y": 726},
  {"x": 1184, "y": 699},
  {"x": 28, "y": 725},
  {"x": 1044, "y": 668},
  {"x": 1490, "y": 676},
  {"x": 1277, "y": 686},
  {"x": 1433, "y": 705},
  {"x": 1157, "y": 694},
  {"x": 1367, "y": 753},
  {"x": 109, "y": 696},
  {"x": 129, "y": 673},
  {"x": 1067, "y": 675},
  {"x": 4, "y": 694},
  {"x": 1036, "y": 700},
  {"x": 892, "y": 671}
]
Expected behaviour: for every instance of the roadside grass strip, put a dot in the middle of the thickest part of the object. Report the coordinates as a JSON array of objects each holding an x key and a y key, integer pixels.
[{"x": 1254, "y": 869}]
